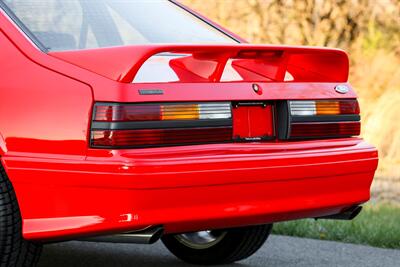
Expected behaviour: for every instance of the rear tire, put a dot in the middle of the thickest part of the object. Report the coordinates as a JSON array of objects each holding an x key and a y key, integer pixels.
[
  {"x": 14, "y": 250},
  {"x": 225, "y": 246}
]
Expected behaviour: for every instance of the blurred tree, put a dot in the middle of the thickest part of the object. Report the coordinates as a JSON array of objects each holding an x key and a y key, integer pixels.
[{"x": 335, "y": 23}]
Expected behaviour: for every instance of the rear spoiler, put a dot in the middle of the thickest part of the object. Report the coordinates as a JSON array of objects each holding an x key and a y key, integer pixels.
[{"x": 206, "y": 63}]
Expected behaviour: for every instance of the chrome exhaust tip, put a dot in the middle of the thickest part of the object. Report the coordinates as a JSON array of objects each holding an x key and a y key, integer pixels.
[{"x": 148, "y": 235}]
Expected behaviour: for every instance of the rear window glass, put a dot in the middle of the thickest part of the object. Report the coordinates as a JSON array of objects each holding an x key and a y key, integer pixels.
[{"x": 84, "y": 24}]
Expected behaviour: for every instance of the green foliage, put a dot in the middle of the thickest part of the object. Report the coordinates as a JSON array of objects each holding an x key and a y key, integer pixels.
[
  {"x": 378, "y": 37},
  {"x": 377, "y": 226}
]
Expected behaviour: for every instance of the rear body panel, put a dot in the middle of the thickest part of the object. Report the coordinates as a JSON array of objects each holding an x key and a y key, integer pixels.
[
  {"x": 66, "y": 189},
  {"x": 191, "y": 188}
]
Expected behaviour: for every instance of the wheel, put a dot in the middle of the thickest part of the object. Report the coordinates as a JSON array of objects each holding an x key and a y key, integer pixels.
[
  {"x": 217, "y": 246},
  {"x": 14, "y": 250}
]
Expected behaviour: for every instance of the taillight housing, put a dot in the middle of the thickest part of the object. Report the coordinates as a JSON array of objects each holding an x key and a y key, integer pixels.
[
  {"x": 117, "y": 125},
  {"x": 313, "y": 119}
]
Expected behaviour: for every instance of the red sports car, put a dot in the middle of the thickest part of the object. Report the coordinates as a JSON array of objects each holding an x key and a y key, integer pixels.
[{"x": 131, "y": 121}]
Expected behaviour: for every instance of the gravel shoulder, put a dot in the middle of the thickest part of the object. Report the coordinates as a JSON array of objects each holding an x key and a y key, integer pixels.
[{"x": 278, "y": 251}]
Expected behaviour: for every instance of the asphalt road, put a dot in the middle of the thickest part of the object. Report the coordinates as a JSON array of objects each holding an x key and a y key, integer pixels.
[{"x": 278, "y": 251}]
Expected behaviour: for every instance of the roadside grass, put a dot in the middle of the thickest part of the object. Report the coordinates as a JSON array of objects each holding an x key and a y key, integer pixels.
[{"x": 377, "y": 225}]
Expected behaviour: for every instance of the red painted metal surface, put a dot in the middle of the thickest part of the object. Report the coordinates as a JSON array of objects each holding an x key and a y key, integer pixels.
[
  {"x": 207, "y": 62},
  {"x": 196, "y": 186},
  {"x": 66, "y": 190}
]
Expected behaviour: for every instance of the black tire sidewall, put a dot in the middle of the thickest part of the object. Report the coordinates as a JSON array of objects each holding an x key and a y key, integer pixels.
[
  {"x": 237, "y": 244},
  {"x": 14, "y": 250}
]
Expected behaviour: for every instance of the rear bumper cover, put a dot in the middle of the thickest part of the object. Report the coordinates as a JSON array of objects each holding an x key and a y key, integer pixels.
[{"x": 190, "y": 188}]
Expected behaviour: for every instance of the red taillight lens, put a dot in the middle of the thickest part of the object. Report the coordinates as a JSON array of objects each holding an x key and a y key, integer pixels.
[
  {"x": 324, "y": 129},
  {"x": 142, "y": 125},
  {"x": 322, "y": 119},
  {"x": 157, "y": 137},
  {"x": 112, "y": 113}
]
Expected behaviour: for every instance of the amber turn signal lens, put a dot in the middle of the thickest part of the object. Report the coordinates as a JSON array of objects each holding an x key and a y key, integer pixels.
[
  {"x": 180, "y": 112},
  {"x": 327, "y": 107}
]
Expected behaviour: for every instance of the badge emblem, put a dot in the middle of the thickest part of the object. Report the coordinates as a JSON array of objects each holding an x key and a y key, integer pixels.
[{"x": 342, "y": 89}]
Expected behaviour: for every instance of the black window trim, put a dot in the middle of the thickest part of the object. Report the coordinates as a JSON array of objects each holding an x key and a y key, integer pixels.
[
  {"x": 45, "y": 49},
  {"x": 22, "y": 27}
]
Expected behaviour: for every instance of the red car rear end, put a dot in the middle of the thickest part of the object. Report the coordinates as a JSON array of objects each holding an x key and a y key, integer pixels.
[{"x": 204, "y": 144}]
